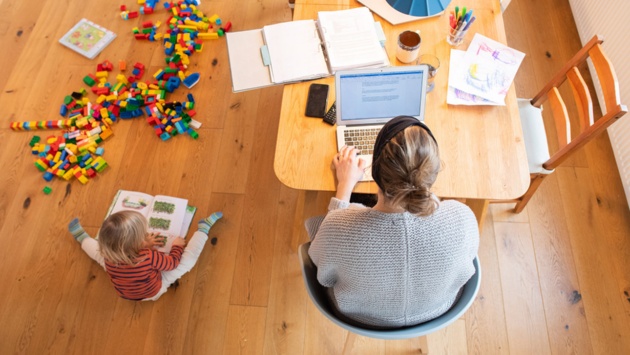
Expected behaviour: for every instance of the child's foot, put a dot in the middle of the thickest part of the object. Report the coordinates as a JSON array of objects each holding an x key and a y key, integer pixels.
[
  {"x": 77, "y": 231},
  {"x": 207, "y": 223}
]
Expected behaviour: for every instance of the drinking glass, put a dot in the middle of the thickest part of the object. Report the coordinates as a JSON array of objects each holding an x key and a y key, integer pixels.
[{"x": 434, "y": 64}]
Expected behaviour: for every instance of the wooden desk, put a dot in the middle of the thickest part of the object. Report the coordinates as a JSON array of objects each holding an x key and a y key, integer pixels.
[{"x": 481, "y": 147}]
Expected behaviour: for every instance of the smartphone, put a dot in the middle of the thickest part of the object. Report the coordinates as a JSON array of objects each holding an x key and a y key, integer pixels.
[{"x": 317, "y": 100}]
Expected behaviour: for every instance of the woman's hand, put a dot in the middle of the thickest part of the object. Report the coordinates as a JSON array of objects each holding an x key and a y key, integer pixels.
[
  {"x": 349, "y": 170},
  {"x": 154, "y": 240}
]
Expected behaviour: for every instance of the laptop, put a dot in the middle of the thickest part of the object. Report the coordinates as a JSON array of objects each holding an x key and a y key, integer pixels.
[{"x": 367, "y": 98}]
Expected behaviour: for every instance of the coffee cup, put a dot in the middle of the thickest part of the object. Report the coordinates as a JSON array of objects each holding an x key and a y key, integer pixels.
[{"x": 408, "y": 46}]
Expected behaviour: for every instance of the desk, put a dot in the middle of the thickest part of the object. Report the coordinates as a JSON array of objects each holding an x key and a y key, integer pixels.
[{"x": 481, "y": 147}]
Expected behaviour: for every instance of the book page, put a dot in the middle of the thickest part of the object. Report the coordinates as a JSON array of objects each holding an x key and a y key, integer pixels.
[
  {"x": 350, "y": 39},
  {"x": 295, "y": 51},
  {"x": 166, "y": 217}
]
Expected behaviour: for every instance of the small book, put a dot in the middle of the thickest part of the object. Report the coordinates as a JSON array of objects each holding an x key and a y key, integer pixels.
[
  {"x": 169, "y": 216},
  {"x": 87, "y": 38}
]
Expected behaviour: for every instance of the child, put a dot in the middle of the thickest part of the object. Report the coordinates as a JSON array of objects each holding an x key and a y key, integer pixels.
[{"x": 125, "y": 250}]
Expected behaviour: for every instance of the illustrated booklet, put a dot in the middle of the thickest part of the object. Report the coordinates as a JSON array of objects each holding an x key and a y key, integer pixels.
[
  {"x": 169, "y": 216},
  {"x": 87, "y": 38}
]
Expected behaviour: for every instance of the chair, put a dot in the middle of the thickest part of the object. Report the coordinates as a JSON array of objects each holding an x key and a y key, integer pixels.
[
  {"x": 541, "y": 163},
  {"x": 318, "y": 295}
]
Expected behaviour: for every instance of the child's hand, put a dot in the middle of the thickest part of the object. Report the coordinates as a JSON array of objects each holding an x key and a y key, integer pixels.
[
  {"x": 154, "y": 240},
  {"x": 179, "y": 241}
]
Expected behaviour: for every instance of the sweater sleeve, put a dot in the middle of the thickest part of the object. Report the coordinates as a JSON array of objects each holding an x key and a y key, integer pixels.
[
  {"x": 337, "y": 204},
  {"x": 164, "y": 262}
]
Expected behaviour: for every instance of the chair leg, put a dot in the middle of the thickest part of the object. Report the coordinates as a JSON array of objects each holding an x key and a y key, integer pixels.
[{"x": 536, "y": 180}]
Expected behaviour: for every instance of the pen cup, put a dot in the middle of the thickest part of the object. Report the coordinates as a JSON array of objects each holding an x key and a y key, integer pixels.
[{"x": 456, "y": 36}]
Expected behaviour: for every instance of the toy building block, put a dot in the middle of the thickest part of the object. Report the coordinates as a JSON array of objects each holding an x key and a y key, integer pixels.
[{"x": 47, "y": 190}]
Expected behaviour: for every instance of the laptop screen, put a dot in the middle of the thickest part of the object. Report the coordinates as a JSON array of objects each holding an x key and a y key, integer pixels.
[{"x": 376, "y": 95}]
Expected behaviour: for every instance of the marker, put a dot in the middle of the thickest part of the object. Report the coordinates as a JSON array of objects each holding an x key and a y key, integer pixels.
[
  {"x": 456, "y": 13},
  {"x": 469, "y": 23}
]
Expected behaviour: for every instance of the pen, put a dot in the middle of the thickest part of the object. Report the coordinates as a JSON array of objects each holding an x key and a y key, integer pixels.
[
  {"x": 468, "y": 15},
  {"x": 463, "y": 11},
  {"x": 470, "y": 22},
  {"x": 456, "y": 13}
]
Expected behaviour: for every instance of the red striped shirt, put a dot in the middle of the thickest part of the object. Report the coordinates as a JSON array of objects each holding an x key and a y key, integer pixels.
[{"x": 143, "y": 280}]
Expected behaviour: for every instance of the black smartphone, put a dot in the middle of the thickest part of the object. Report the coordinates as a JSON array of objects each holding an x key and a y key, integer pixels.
[{"x": 317, "y": 100}]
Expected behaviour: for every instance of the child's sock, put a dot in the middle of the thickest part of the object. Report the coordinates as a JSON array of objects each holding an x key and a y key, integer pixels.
[
  {"x": 77, "y": 231},
  {"x": 207, "y": 223}
]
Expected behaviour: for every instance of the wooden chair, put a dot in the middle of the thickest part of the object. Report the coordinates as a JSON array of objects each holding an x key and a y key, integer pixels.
[
  {"x": 540, "y": 162},
  {"x": 318, "y": 295}
]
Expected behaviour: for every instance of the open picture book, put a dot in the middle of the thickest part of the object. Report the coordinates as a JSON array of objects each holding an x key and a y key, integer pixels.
[{"x": 169, "y": 216}]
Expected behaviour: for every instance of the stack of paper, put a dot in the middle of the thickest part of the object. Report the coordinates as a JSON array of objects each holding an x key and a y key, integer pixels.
[
  {"x": 350, "y": 39},
  {"x": 483, "y": 74},
  {"x": 295, "y": 51}
]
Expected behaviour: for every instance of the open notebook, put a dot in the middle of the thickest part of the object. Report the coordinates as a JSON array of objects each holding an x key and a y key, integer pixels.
[{"x": 306, "y": 49}]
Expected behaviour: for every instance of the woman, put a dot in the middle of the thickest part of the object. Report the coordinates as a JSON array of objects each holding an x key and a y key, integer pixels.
[{"x": 404, "y": 261}]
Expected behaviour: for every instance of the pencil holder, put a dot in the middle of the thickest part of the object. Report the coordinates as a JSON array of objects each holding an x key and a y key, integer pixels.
[{"x": 455, "y": 36}]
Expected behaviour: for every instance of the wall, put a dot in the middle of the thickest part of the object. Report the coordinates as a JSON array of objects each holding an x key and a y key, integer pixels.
[{"x": 610, "y": 19}]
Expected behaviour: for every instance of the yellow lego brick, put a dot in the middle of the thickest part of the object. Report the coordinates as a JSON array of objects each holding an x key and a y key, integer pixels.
[
  {"x": 142, "y": 85},
  {"x": 68, "y": 174},
  {"x": 101, "y": 74},
  {"x": 122, "y": 78},
  {"x": 84, "y": 180}
]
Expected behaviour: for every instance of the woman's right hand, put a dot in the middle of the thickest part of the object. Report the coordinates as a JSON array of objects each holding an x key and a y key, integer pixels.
[{"x": 349, "y": 170}]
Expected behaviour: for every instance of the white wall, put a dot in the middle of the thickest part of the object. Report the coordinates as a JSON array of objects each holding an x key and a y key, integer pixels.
[{"x": 611, "y": 20}]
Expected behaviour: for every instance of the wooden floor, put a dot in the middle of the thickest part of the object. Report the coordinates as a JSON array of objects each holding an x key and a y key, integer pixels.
[{"x": 556, "y": 278}]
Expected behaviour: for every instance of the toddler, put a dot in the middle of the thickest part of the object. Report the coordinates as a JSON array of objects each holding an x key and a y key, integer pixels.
[{"x": 125, "y": 249}]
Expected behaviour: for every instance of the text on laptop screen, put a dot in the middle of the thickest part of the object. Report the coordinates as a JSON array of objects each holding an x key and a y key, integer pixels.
[{"x": 380, "y": 95}]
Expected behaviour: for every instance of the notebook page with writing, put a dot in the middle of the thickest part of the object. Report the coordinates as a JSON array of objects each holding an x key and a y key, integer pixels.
[
  {"x": 350, "y": 39},
  {"x": 295, "y": 51}
]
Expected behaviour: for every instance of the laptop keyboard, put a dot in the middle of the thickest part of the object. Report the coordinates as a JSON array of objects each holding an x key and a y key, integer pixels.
[{"x": 361, "y": 138}]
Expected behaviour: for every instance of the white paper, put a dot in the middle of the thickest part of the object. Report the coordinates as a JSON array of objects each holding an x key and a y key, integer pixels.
[
  {"x": 459, "y": 97},
  {"x": 350, "y": 39},
  {"x": 295, "y": 51},
  {"x": 487, "y": 69}
]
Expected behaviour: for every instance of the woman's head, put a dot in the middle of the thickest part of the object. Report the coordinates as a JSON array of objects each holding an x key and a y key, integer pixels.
[
  {"x": 405, "y": 165},
  {"x": 122, "y": 236}
]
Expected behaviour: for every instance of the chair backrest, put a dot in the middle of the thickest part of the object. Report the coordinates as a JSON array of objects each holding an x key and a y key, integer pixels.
[
  {"x": 583, "y": 100},
  {"x": 318, "y": 295}
]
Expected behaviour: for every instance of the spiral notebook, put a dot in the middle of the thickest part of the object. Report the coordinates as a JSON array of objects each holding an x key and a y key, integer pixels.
[{"x": 306, "y": 49}]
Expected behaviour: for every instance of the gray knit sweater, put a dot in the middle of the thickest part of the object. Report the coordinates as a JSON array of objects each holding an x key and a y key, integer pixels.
[{"x": 393, "y": 269}]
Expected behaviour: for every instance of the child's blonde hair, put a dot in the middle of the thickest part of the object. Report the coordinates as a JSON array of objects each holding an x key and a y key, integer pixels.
[{"x": 122, "y": 236}]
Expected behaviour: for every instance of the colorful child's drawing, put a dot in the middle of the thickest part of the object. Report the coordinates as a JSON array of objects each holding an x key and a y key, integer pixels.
[{"x": 486, "y": 70}]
